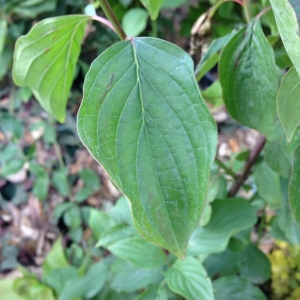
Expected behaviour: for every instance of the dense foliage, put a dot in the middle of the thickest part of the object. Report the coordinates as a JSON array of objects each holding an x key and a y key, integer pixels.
[{"x": 189, "y": 224}]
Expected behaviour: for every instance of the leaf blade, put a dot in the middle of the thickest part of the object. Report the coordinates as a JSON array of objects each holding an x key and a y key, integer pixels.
[
  {"x": 248, "y": 78},
  {"x": 160, "y": 172},
  {"x": 45, "y": 60}
]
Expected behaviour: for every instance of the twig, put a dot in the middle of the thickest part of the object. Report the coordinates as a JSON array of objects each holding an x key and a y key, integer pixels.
[
  {"x": 225, "y": 168},
  {"x": 261, "y": 141},
  {"x": 113, "y": 19},
  {"x": 104, "y": 21}
]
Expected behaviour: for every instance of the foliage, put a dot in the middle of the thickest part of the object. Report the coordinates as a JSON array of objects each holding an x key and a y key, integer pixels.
[{"x": 189, "y": 224}]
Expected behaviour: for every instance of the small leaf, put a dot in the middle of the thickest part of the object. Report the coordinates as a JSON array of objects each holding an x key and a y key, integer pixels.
[
  {"x": 60, "y": 182},
  {"x": 3, "y": 31},
  {"x": 41, "y": 183},
  {"x": 254, "y": 265},
  {"x": 45, "y": 60},
  {"x": 134, "y": 21},
  {"x": 189, "y": 279},
  {"x": 55, "y": 259},
  {"x": 288, "y": 27},
  {"x": 228, "y": 217},
  {"x": 7, "y": 290},
  {"x": 139, "y": 252},
  {"x": 211, "y": 56},
  {"x": 147, "y": 124},
  {"x": 294, "y": 186},
  {"x": 236, "y": 288},
  {"x": 268, "y": 184},
  {"x": 130, "y": 278},
  {"x": 88, "y": 285},
  {"x": 288, "y": 102},
  {"x": 248, "y": 78},
  {"x": 153, "y": 7}
]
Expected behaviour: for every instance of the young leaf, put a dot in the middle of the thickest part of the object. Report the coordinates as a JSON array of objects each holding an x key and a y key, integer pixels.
[
  {"x": 248, "y": 78},
  {"x": 228, "y": 217},
  {"x": 189, "y": 279},
  {"x": 288, "y": 28},
  {"x": 134, "y": 21},
  {"x": 288, "y": 102},
  {"x": 45, "y": 60},
  {"x": 294, "y": 187},
  {"x": 139, "y": 252},
  {"x": 153, "y": 7},
  {"x": 142, "y": 117}
]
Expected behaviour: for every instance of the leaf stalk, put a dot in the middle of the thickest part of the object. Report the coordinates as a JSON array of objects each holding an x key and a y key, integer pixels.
[{"x": 113, "y": 19}]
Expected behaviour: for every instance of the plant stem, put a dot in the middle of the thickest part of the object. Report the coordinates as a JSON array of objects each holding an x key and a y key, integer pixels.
[
  {"x": 154, "y": 28},
  {"x": 225, "y": 168},
  {"x": 113, "y": 19},
  {"x": 247, "y": 10},
  {"x": 104, "y": 21},
  {"x": 261, "y": 141}
]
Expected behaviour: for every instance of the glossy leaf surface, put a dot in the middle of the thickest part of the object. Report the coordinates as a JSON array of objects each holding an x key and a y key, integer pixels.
[
  {"x": 142, "y": 117},
  {"x": 288, "y": 28},
  {"x": 248, "y": 78},
  {"x": 294, "y": 187},
  {"x": 288, "y": 102},
  {"x": 45, "y": 60},
  {"x": 153, "y": 7},
  {"x": 189, "y": 279}
]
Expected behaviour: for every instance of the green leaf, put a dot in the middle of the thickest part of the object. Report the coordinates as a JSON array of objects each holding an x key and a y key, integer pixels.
[
  {"x": 31, "y": 9},
  {"x": 138, "y": 252},
  {"x": 120, "y": 212},
  {"x": 153, "y": 7},
  {"x": 254, "y": 265},
  {"x": 288, "y": 102},
  {"x": 130, "y": 278},
  {"x": 236, "y": 288},
  {"x": 229, "y": 216},
  {"x": 55, "y": 259},
  {"x": 99, "y": 222},
  {"x": 72, "y": 217},
  {"x": 114, "y": 234},
  {"x": 45, "y": 60},
  {"x": 60, "y": 182},
  {"x": 134, "y": 21},
  {"x": 173, "y": 3},
  {"x": 189, "y": 279},
  {"x": 268, "y": 184},
  {"x": 248, "y": 78},
  {"x": 3, "y": 31},
  {"x": 288, "y": 28},
  {"x": 294, "y": 186},
  {"x": 211, "y": 56},
  {"x": 7, "y": 290},
  {"x": 41, "y": 183},
  {"x": 147, "y": 124},
  {"x": 153, "y": 293},
  {"x": 88, "y": 285},
  {"x": 213, "y": 94}
]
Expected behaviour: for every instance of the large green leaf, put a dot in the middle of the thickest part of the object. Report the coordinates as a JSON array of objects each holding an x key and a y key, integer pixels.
[
  {"x": 288, "y": 27},
  {"x": 189, "y": 279},
  {"x": 229, "y": 216},
  {"x": 236, "y": 288},
  {"x": 288, "y": 102},
  {"x": 142, "y": 117},
  {"x": 248, "y": 78},
  {"x": 7, "y": 290},
  {"x": 153, "y": 7},
  {"x": 45, "y": 60},
  {"x": 294, "y": 187}
]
